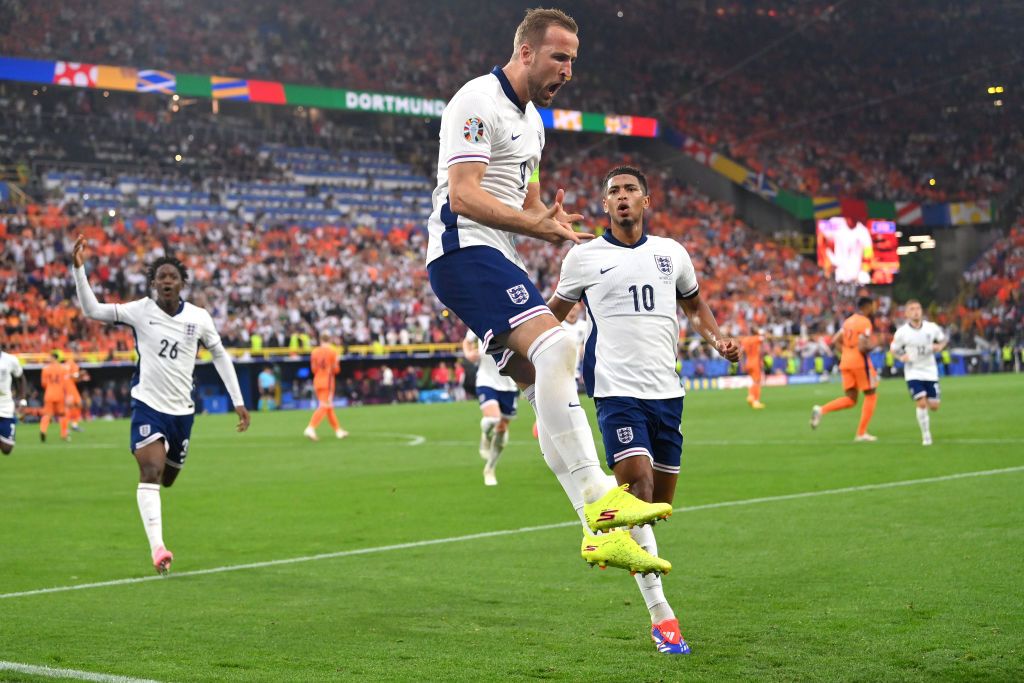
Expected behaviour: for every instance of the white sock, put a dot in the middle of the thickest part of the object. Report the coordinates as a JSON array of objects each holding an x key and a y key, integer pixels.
[
  {"x": 559, "y": 411},
  {"x": 650, "y": 585},
  {"x": 498, "y": 444},
  {"x": 487, "y": 426},
  {"x": 555, "y": 464},
  {"x": 923, "y": 421},
  {"x": 148, "y": 497}
]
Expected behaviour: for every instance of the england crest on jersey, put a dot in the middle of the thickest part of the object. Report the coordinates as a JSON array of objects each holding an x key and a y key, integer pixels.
[
  {"x": 625, "y": 434},
  {"x": 190, "y": 329},
  {"x": 518, "y": 294},
  {"x": 664, "y": 263}
]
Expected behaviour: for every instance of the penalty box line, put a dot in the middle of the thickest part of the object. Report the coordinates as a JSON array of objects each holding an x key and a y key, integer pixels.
[{"x": 506, "y": 532}]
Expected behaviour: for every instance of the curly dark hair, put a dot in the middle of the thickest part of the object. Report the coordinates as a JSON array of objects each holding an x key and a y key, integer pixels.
[{"x": 164, "y": 260}]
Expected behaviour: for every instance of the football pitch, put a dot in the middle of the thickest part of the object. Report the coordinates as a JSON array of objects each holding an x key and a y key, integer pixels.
[{"x": 797, "y": 555}]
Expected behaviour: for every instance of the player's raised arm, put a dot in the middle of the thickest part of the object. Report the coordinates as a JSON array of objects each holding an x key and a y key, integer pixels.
[
  {"x": 86, "y": 298},
  {"x": 469, "y": 199}
]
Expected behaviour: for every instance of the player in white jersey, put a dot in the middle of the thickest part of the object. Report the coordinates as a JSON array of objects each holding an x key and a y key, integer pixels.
[
  {"x": 631, "y": 284},
  {"x": 850, "y": 246},
  {"x": 498, "y": 396},
  {"x": 10, "y": 370},
  {"x": 488, "y": 190},
  {"x": 168, "y": 333},
  {"x": 915, "y": 343}
]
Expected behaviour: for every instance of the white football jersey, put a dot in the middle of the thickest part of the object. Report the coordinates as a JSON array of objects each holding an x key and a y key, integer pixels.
[
  {"x": 9, "y": 369},
  {"x": 484, "y": 123},
  {"x": 848, "y": 252},
  {"x": 630, "y": 293},
  {"x": 487, "y": 374},
  {"x": 917, "y": 343},
  {"x": 167, "y": 346}
]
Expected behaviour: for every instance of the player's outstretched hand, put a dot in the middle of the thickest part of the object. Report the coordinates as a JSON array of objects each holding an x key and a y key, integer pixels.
[
  {"x": 78, "y": 252},
  {"x": 729, "y": 349},
  {"x": 555, "y": 225},
  {"x": 243, "y": 418}
]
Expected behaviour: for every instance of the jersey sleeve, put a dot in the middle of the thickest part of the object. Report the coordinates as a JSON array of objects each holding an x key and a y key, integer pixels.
[
  {"x": 940, "y": 335},
  {"x": 570, "y": 282},
  {"x": 686, "y": 279},
  {"x": 897, "y": 344},
  {"x": 16, "y": 369},
  {"x": 208, "y": 335},
  {"x": 470, "y": 122},
  {"x": 131, "y": 313}
]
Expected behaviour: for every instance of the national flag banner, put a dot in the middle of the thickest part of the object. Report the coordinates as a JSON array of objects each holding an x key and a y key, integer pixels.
[
  {"x": 909, "y": 213},
  {"x": 698, "y": 150},
  {"x": 645, "y": 127},
  {"x": 76, "y": 74},
  {"x": 228, "y": 88},
  {"x": 567, "y": 119},
  {"x": 729, "y": 168},
  {"x": 26, "y": 70},
  {"x": 618, "y": 125},
  {"x": 151, "y": 80},
  {"x": 757, "y": 182},
  {"x": 826, "y": 207},
  {"x": 935, "y": 214},
  {"x": 970, "y": 213},
  {"x": 269, "y": 92},
  {"x": 117, "y": 77},
  {"x": 857, "y": 209},
  {"x": 547, "y": 116}
]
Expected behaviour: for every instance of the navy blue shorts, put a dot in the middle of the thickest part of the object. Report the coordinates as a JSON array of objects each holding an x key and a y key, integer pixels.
[
  {"x": 149, "y": 425},
  {"x": 7, "y": 425},
  {"x": 488, "y": 292},
  {"x": 507, "y": 400},
  {"x": 920, "y": 387},
  {"x": 633, "y": 426}
]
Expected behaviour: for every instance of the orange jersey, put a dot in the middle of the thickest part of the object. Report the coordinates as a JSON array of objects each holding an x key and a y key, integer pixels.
[
  {"x": 325, "y": 365},
  {"x": 752, "y": 352},
  {"x": 53, "y": 378},
  {"x": 854, "y": 327},
  {"x": 71, "y": 378}
]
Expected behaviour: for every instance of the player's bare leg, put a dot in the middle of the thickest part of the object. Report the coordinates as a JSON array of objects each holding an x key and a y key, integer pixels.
[
  {"x": 845, "y": 402},
  {"x": 152, "y": 459}
]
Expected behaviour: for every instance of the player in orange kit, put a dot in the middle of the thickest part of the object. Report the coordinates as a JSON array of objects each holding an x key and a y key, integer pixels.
[
  {"x": 855, "y": 365},
  {"x": 324, "y": 364},
  {"x": 753, "y": 361},
  {"x": 53, "y": 380},
  {"x": 73, "y": 399}
]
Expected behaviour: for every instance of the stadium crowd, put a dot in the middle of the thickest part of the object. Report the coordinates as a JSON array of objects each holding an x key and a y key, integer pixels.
[{"x": 880, "y": 119}]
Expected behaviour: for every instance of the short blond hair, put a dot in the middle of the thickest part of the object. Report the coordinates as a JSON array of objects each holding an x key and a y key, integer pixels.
[{"x": 535, "y": 24}]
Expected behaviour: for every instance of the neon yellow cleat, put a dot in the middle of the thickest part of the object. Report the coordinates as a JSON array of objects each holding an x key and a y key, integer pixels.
[
  {"x": 618, "y": 549},
  {"x": 619, "y": 507}
]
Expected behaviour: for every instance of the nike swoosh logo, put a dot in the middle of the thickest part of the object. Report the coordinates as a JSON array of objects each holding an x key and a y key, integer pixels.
[
  {"x": 605, "y": 270},
  {"x": 574, "y": 405},
  {"x": 516, "y": 137},
  {"x": 154, "y": 322}
]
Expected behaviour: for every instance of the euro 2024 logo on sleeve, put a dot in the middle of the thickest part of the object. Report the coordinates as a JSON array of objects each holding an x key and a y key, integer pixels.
[
  {"x": 625, "y": 434},
  {"x": 518, "y": 294},
  {"x": 473, "y": 129}
]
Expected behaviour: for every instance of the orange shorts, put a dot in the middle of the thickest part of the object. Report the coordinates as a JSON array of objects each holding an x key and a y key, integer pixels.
[
  {"x": 861, "y": 379},
  {"x": 325, "y": 397},
  {"x": 53, "y": 408}
]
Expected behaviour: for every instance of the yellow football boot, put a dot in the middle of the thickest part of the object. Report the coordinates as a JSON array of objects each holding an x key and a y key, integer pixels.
[
  {"x": 619, "y": 507},
  {"x": 618, "y": 549}
]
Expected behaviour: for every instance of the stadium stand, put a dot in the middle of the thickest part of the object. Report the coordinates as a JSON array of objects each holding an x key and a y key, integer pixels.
[{"x": 881, "y": 118}]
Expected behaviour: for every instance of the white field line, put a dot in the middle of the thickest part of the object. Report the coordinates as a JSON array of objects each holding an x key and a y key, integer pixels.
[
  {"x": 51, "y": 672},
  {"x": 505, "y": 532}
]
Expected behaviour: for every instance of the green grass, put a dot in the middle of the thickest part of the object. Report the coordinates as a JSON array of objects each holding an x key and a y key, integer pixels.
[{"x": 920, "y": 582}]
